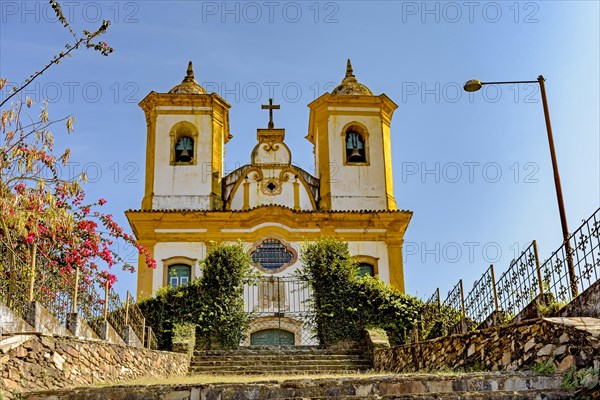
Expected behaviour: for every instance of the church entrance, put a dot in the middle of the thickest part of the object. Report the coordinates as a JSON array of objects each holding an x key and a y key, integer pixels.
[{"x": 280, "y": 313}]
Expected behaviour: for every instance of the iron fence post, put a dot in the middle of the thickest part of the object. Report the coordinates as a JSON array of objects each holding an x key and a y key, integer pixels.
[
  {"x": 127, "y": 309},
  {"x": 539, "y": 270},
  {"x": 105, "y": 300},
  {"x": 75, "y": 291},
  {"x": 143, "y": 330},
  {"x": 462, "y": 305},
  {"x": 32, "y": 272},
  {"x": 496, "y": 308}
]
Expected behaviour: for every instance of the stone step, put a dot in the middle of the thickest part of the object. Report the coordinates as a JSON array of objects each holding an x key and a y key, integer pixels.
[
  {"x": 219, "y": 362},
  {"x": 278, "y": 359},
  {"x": 476, "y": 386},
  {"x": 280, "y": 369},
  {"x": 557, "y": 394},
  {"x": 278, "y": 352}
]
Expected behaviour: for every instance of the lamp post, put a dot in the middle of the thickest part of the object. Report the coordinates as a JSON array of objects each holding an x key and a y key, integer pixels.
[{"x": 474, "y": 85}]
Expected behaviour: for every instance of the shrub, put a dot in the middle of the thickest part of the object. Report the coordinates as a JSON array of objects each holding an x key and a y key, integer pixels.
[
  {"x": 213, "y": 303},
  {"x": 344, "y": 303}
]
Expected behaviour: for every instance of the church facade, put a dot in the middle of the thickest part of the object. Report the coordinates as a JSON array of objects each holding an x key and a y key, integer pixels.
[{"x": 270, "y": 205}]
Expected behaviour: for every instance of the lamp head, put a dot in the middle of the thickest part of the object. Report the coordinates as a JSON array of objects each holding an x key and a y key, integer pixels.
[{"x": 473, "y": 85}]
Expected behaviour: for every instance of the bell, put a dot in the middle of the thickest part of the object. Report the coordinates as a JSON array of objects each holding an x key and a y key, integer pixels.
[
  {"x": 355, "y": 155},
  {"x": 185, "y": 156}
]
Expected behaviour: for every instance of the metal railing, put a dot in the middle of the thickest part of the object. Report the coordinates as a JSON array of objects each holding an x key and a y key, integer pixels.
[
  {"x": 135, "y": 318},
  {"x": 526, "y": 281},
  {"x": 482, "y": 300},
  {"x": 521, "y": 283},
  {"x": 150, "y": 342},
  {"x": 279, "y": 307},
  {"x": 455, "y": 300},
  {"x": 585, "y": 245}
]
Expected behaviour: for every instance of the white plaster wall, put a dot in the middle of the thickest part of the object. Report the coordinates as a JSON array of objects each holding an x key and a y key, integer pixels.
[
  {"x": 278, "y": 153},
  {"x": 186, "y": 180},
  {"x": 357, "y": 187},
  {"x": 165, "y": 250}
]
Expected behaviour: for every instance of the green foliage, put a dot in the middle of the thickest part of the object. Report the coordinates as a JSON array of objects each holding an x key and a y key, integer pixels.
[
  {"x": 345, "y": 303},
  {"x": 548, "y": 367},
  {"x": 213, "y": 303},
  {"x": 586, "y": 381},
  {"x": 437, "y": 320},
  {"x": 221, "y": 320}
]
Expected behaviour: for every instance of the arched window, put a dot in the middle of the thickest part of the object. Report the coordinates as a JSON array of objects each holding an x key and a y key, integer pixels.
[
  {"x": 179, "y": 274},
  {"x": 366, "y": 269},
  {"x": 183, "y": 144},
  {"x": 355, "y": 147},
  {"x": 184, "y": 149}
]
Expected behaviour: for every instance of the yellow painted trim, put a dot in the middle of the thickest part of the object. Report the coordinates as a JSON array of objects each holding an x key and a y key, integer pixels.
[
  {"x": 145, "y": 275},
  {"x": 387, "y": 170},
  {"x": 246, "y": 195},
  {"x": 291, "y": 170},
  {"x": 396, "y": 268},
  {"x": 324, "y": 164},
  {"x": 150, "y": 161},
  {"x": 296, "y": 195},
  {"x": 242, "y": 179}
]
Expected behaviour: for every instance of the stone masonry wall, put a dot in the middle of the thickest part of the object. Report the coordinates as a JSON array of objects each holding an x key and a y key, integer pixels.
[
  {"x": 565, "y": 341},
  {"x": 33, "y": 362},
  {"x": 587, "y": 304}
]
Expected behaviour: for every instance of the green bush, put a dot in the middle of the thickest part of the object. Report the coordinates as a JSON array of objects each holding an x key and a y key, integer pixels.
[
  {"x": 345, "y": 303},
  {"x": 213, "y": 303}
]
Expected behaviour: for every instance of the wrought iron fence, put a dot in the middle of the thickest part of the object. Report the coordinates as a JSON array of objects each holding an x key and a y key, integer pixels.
[
  {"x": 482, "y": 301},
  {"x": 114, "y": 311},
  {"x": 456, "y": 301},
  {"x": 280, "y": 312},
  {"x": 435, "y": 298},
  {"x": 585, "y": 245},
  {"x": 14, "y": 282},
  {"x": 135, "y": 318},
  {"x": 150, "y": 341},
  {"x": 521, "y": 283}
]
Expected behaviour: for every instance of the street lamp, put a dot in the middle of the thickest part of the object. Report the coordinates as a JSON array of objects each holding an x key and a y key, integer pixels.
[{"x": 474, "y": 85}]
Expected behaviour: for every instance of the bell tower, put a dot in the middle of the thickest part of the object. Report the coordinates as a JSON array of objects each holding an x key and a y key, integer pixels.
[
  {"x": 350, "y": 129},
  {"x": 185, "y": 145}
]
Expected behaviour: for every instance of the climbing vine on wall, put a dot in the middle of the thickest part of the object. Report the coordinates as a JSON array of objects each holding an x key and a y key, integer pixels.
[
  {"x": 213, "y": 302},
  {"x": 345, "y": 303}
]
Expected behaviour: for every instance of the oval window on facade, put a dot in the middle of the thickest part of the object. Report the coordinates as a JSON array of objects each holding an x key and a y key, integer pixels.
[{"x": 272, "y": 256}]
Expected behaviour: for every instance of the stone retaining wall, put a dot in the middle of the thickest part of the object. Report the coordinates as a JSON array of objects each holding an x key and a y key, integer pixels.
[
  {"x": 566, "y": 342},
  {"x": 587, "y": 304},
  {"x": 33, "y": 362}
]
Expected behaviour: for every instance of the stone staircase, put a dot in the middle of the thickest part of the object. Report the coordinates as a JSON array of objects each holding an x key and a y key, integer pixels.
[
  {"x": 280, "y": 360},
  {"x": 465, "y": 386}
]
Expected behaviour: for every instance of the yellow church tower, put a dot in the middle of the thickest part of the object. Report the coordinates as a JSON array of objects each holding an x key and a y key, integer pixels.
[
  {"x": 187, "y": 132},
  {"x": 350, "y": 129}
]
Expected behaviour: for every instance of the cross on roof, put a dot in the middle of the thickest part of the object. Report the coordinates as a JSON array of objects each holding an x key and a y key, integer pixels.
[{"x": 271, "y": 107}]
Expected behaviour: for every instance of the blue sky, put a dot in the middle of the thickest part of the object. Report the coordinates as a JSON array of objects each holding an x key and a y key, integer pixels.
[{"x": 474, "y": 169}]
